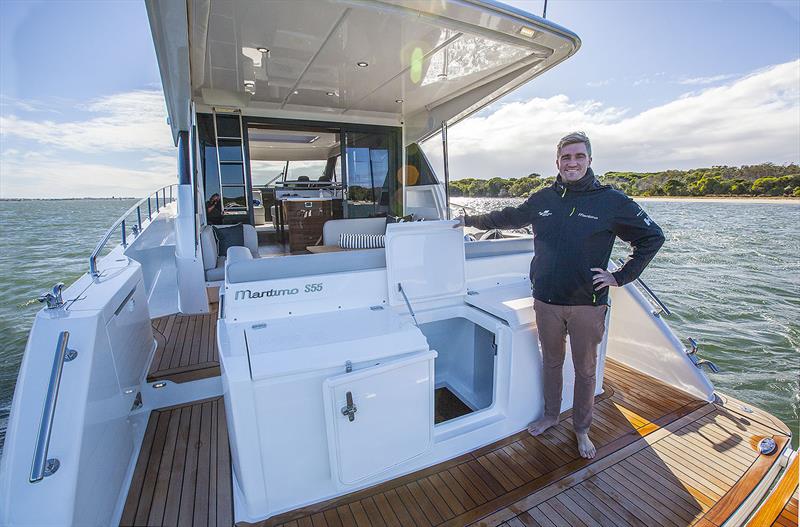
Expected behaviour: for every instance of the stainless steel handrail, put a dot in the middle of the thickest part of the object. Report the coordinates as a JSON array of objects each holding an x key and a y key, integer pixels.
[
  {"x": 137, "y": 227},
  {"x": 42, "y": 466},
  {"x": 649, "y": 292}
]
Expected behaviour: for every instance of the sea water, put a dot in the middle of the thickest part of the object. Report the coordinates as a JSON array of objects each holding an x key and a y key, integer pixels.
[{"x": 729, "y": 272}]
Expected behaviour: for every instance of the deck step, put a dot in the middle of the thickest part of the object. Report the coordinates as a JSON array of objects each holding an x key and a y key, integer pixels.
[{"x": 187, "y": 348}]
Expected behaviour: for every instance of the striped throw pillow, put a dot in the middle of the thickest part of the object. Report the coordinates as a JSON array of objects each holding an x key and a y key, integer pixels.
[{"x": 360, "y": 241}]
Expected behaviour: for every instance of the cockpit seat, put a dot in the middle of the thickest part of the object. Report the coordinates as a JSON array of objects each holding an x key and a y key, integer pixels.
[
  {"x": 333, "y": 228},
  {"x": 213, "y": 263}
]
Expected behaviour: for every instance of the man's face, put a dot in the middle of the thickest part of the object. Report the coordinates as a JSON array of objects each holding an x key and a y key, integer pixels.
[{"x": 573, "y": 161}]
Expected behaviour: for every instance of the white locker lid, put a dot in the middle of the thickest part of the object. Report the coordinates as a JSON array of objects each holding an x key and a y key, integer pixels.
[
  {"x": 313, "y": 342},
  {"x": 427, "y": 258}
]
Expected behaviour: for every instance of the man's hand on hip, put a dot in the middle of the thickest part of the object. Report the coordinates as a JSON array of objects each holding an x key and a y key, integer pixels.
[{"x": 602, "y": 278}]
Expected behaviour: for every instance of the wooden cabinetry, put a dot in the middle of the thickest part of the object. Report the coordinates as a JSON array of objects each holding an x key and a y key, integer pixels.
[{"x": 305, "y": 218}]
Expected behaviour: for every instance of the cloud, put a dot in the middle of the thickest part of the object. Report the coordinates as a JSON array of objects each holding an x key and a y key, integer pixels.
[
  {"x": 598, "y": 84},
  {"x": 122, "y": 122},
  {"x": 705, "y": 80},
  {"x": 123, "y": 147},
  {"x": 751, "y": 120},
  {"x": 48, "y": 176},
  {"x": 29, "y": 105}
]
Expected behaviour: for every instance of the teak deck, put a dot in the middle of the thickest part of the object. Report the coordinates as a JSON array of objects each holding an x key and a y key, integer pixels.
[
  {"x": 780, "y": 509},
  {"x": 183, "y": 473},
  {"x": 663, "y": 458},
  {"x": 187, "y": 347}
]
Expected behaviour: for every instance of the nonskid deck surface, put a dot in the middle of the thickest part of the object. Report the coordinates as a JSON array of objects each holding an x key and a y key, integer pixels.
[
  {"x": 187, "y": 347},
  {"x": 663, "y": 458}
]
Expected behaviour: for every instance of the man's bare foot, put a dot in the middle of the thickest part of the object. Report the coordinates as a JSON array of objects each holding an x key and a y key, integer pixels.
[
  {"x": 540, "y": 425},
  {"x": 585, "y": 446}
]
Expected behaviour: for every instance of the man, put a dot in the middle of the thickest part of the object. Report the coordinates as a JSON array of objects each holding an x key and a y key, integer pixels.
[{"x": 574, "y": 223}]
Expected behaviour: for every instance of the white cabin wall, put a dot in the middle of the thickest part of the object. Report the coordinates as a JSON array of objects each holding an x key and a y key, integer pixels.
[
  {"x": 92, "y": 436},
  {"x": 191, "y": 276},
  {"x": 154, "y": 250}
]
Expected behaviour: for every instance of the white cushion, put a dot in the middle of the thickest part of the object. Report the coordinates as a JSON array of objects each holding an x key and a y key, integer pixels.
[{"x": 208, "y": 246}]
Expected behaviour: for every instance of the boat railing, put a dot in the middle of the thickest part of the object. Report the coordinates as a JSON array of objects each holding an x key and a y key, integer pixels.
[
  {"x": 42, "y": 466},
  {"x": 650, "y": 295},
  {"x": 154, "y": 201}
]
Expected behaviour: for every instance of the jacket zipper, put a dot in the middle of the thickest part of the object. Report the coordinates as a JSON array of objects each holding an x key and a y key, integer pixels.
[{"x": 558, "y": 244}]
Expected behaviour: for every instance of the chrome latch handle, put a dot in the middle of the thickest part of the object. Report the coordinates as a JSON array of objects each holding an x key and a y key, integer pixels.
[{"x": 351, "y": 409}]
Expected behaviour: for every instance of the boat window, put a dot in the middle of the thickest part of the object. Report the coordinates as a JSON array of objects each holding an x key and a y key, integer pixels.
[
  {"x": 374, "y": 181},
  {"x": 224, "y": 178},
  {"x": 265, "y": 173},
  {"x": 234, "y": 197},
  {"x": 420, "y": 171},
  {"x": 313, "y": 170}
]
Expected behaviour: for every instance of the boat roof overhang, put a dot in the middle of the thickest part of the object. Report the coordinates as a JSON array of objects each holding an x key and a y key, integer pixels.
[{"x": 388, "y": 62}]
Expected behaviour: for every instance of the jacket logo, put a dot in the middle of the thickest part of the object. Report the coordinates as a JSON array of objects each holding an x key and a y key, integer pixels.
[
  {"x": 582, "y": 215},
  {"x": 545, "y": 213}
]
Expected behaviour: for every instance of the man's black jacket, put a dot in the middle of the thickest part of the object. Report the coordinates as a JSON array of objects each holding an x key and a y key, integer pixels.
[{"x": 574, "y": 226}]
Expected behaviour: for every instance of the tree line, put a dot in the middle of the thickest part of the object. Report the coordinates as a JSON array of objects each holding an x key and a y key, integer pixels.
[{"x": 766, "y": 179}]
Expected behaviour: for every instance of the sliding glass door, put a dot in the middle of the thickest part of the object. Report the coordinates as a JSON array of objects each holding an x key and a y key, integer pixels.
[{"x": 373, "y": 175}]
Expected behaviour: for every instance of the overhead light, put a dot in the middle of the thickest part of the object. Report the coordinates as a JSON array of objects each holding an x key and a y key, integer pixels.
[
  {"x": 330, "y": 93},
  {"x": 398, "y": 100},
  {"x": 296, "y": 92},
  {"x": 362, "y": 64},
  {"x": 442, "y": 76},
  {"x": 526, "y": 32},
  {"x": 278, "y": 137},
  {"x": 262, "y": 50},
  {"x": 250, "y": 84}
]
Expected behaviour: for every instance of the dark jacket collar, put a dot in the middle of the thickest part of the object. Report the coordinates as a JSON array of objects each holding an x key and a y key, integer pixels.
[{"x": 585, "y": 184}]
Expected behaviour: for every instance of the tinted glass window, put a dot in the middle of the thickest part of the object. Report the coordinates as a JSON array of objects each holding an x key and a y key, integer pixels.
[
  {"x": 228, "y": 126},
  {"x": 420, "y": 171},
  {"x": 230, "y": 150},
  {"x": 232, "y": 175},
  {"x": 372, "y": 163},
  {"x": 313, "y": 170},
  {"x": 234, "y": 197},
  {"x": 266, "y": 172}
]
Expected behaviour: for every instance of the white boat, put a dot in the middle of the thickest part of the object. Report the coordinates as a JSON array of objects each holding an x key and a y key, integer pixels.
[{"x": 284, "y": 380}]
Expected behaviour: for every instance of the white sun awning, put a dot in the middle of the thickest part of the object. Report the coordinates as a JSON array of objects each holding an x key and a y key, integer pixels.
[{"x": 380, "y": 61}]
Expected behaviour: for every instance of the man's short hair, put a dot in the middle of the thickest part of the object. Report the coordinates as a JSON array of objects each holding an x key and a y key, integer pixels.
[{"x": 574, "y": 138}]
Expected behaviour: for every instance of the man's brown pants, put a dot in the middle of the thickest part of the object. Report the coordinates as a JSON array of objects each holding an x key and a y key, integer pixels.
[{"x": 585, "y": 326}]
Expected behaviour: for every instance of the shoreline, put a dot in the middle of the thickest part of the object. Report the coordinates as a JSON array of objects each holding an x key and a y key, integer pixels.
[
  {"x": 783, "y": 200},
  {"x": 722, "y": 199}
]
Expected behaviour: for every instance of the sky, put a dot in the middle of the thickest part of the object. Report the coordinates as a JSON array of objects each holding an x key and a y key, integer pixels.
[{"x": 657, "y": 85}]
